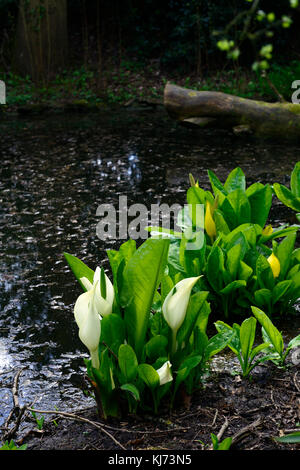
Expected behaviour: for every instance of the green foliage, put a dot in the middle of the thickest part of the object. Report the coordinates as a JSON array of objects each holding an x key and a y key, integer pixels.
[
  {"x": 290, "y": 197},
  {"x": 153, "y": 338},
  {"x": 223, "y": 445},
  {"x": 12, "y": 446},
  {"x": 242, "y": 343},
  {"x": 138, "y": 363},
  {"x": 292, "y": 438},
  {"x": 277, "y": 353},
  {"x": 237, "y": 255},
  {"x": 257, "y": 27}
]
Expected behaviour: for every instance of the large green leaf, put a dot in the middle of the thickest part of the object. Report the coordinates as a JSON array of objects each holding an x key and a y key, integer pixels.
[
  {"x": 247, "y": 336},
  {"x": 232, "y": 286},
  {"x": 235, "y": 180},
  {"x": 156, "y": 347},
  {"x": 216, "y": 184},
  {"x": 272, "y": 332},
  {"x": 131, "y": 388},
  {"x": 292, "y": 438},
  {"x": 215, "y": 268},
  {"x": 142, "y": 276},
  {"x": 284, "y": 253},
  {"x": 149, "y": 375},
  {"x": 195, "y": 195},
  {"x": 193, "y": 311},
  {"x": 79, "y": 269},
  {"x": 260, "y": 199},
  {"x": 241, "y": 206},
  {"x": 112, "y": 332},
  {"x": 280, "y": 289},
  {"x": 287, "y": 197},
  {"x": 127, "y": 362},
  {"x": 295, "y": 180},
  {"x": 233, "y": 260},
  {"x": 217, "y": 343}
]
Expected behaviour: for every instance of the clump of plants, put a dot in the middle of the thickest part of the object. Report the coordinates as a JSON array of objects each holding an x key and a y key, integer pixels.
[
  {"x": 226, "y": 239},
  {"x": 146, "y": 330},
  {"x": 139, "y": 353}
]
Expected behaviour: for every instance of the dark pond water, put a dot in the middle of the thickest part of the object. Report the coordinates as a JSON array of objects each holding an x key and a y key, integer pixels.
[{"x": 54, "y": 173}]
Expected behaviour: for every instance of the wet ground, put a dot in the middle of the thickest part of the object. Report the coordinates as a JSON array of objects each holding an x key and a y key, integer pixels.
[{"x": 55, "y": 171}]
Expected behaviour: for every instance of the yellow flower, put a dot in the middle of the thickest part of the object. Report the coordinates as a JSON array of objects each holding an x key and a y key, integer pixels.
[
  {"x": 268, "y": 230},
  {"x": 209, "y": 223},
  {"x": 275, "y": 264}
]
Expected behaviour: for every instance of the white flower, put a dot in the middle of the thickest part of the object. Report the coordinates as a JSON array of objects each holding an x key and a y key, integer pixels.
[
  {"x": 165, "y": 374},
  {"x": 175, "y": 305},
  {"x": 176, "y": 302},
  {"x": 104, "y": 305},
  {"x": 89, "y": 322}
]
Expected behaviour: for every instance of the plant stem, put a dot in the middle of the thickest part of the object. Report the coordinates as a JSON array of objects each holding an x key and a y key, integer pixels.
[{"x": 174, "y": 335}]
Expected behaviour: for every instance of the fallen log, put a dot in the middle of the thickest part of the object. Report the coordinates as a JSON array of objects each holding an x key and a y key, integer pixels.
[{"x": 220, "y": 110}]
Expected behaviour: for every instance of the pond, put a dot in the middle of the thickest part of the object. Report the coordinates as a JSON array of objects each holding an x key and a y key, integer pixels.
[{"x": 55, "y": 172}]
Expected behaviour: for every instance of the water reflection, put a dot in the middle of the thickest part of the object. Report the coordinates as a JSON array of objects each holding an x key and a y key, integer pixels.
[{"x": 54, "y": 174}]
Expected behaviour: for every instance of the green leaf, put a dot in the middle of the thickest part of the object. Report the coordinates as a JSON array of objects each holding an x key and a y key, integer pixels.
[
  {"x": 260, "y": 199},
  {"x": 295, "y": 180},
  {"x": 235, "y": 180},
  {"x": 149, "y": 375},
  {"x": 294, "y": 343},
  {"x": 272, "y": 332},
  {"x": 79, "y": 269},
  {"x": 241, "y": 206},
  {"x": 216, "y": 184},
  {"x": 279, "y": 290},
  {"x": 193, "y": 312},
  {"x": 215, "y": 268},
  {"x": 237, "y": 237},
  {"x": 221, "y": 224},
  {"x": 245, "y": 271},
  {"x": 233, "y": 260},
  {"x": 127, "y": 362},
  {"x": 217, "y": 343},
  {"x": 142, "y": 276},
  {"x": 132, "y": 390},
  {"x": 112, "y": 331},
  {"x": 247, "y": 337},
  {"x": 284, "y": 253},
  {"x": 232, "y": 286},
  {"x": 225, "y": 444},
  {"x": 292, "y": 438},
  {"x": 156, "y": 347},
  {"x": 264, "y": 273},
  {"x": 263, "y": 297},
  {"x": 279, "y": 232},
  {"x": 234, "y": 343},
  {"x": 195, "y": 195},
  {"x": 287, "y": 197}
]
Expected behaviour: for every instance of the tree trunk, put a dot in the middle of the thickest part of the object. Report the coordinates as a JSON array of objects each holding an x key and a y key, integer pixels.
[
  {"x": 220, "y": 110},
  {"x": 41, "y": 39}
]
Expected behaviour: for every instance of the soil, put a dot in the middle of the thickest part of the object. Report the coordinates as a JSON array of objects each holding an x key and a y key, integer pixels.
[{"x": 252, "y": 411}]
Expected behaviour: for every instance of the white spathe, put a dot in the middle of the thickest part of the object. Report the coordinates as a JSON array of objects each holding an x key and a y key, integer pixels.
[
  {"x": 104, "y": 306},
  {"x": 176, "y": 302},
  {"x": 89, "y": 322},
  {"x": 164, "y": 373}
]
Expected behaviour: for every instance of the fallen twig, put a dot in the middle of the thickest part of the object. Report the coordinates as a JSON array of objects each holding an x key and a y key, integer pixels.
[
  {"x": 16, "y": 410},
  {"x": 246, "y": 430},
  {"x": 223, "y": 429}
]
